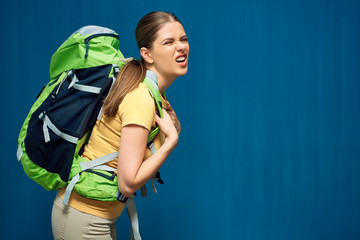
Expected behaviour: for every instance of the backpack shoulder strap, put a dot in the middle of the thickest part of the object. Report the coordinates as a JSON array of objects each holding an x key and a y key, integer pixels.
[{"x": 151, "y": 82}]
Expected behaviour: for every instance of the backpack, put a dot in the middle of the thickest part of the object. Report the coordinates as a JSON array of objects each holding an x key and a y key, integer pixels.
[{"x": 59, "y": 123}]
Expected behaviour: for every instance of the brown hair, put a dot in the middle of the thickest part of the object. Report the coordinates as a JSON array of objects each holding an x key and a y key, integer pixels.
[{"x": 134, "y": 71}]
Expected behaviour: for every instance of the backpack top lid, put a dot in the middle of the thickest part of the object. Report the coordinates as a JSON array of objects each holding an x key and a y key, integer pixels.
[{"x": 90, "y": 46}]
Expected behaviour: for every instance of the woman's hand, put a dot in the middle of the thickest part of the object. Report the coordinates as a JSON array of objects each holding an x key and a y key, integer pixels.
[
  {"x": 174, "y": 119},
  {"x": 168, "y": 128}
]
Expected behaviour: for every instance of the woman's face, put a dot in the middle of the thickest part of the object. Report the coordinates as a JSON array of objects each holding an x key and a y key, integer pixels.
[{"x": 170, "y": 51}]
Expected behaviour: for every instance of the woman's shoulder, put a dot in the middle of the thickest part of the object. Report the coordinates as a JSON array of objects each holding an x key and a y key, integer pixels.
[
  {"x": 141, "y": 88},
  {"x": 141, "y": 93},
  {"x": 139, "y": 98},
  {"x": 138, "y": 107}
]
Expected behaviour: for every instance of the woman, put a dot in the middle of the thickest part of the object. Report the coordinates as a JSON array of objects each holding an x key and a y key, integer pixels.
[{"x": 129, "y": 116}]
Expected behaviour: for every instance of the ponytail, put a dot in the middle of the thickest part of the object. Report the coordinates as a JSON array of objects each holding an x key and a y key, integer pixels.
[{"x": 127, "y": 80}]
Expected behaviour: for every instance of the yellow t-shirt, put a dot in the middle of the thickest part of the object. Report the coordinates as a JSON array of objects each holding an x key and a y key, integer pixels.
[{"x": 137, "y": 107}]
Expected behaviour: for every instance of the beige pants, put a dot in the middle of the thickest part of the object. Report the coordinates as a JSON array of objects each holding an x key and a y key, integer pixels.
[{"x": 71, "y": 224}]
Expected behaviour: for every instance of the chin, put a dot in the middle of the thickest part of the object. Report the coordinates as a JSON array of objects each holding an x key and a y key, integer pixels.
[{"x": 182, "y": 72}]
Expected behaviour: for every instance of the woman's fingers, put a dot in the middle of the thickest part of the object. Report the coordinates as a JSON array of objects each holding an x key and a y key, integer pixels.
[
  {"x": 174, "y": 118},
  {"x": 166, "y": 124}
]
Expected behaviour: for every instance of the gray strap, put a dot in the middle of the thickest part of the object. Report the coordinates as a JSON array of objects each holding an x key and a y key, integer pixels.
[
  {"x": 143, "y": 191},
  {"x": 151, "y": 77},
  {"x": 98, "y": 161},
  {"x": 74, "y": 79},
  {"x": 126, "y": 60},
  {"x": 81, "y": 87},
  {"x": 153, "y": 185},
  {"x": 92, "y": 29},
  {"x": 69, "y": 189},
  {"x": 94, "y": 164},
  {"x": 63, "y": 80},
  {"x": 48, "y": 124},
  {"x": 100, "y": 114},
  {"x": 132, "y": 213},
  {"x": 19, "y": 152},
  {"x": 86, "y": 88},
  {"x": 116, "y": 69},
  {"x": 105, "y": 168},
  {"x": 45, "y": 129},
  {"x": 152, "y": 148}
]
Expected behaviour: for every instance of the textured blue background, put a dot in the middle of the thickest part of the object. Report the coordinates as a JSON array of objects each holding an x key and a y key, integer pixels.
[{"x": 270, "y": 112}]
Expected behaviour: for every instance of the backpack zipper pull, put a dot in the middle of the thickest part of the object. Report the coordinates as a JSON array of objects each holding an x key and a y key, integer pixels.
[{"x": 87, "y": 48}]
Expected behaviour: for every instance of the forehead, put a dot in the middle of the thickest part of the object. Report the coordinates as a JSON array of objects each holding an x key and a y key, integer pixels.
[{"x": 170, "y": 30}]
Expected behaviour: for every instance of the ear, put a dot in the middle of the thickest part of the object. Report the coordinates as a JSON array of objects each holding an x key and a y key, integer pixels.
[{"x": 145, "y": 54}]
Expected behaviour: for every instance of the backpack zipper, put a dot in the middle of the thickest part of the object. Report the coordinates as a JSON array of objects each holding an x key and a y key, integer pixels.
[{"x": 87, "y": 40}]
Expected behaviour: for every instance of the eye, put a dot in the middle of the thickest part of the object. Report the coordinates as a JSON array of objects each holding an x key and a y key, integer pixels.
[
  {"x": 168, "y": 42},
  {"x": 184, "y": 39}
]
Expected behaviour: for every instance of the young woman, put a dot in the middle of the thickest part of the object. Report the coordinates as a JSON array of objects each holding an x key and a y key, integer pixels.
[{"x": 129, "y": 116}]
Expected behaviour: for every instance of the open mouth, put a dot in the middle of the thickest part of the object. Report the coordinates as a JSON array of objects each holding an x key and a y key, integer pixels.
[{"x": 180, "y": 59}]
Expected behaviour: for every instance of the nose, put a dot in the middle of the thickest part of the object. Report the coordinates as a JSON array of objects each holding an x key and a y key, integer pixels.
[{"x": 180, "y": 46}]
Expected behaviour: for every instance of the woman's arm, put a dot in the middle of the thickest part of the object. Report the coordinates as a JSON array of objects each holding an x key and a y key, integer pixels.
[{"x": 133, "y": 172}]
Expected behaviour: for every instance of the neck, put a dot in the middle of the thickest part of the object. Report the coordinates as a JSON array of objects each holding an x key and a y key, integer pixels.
[{"x": 164, "y": 82}]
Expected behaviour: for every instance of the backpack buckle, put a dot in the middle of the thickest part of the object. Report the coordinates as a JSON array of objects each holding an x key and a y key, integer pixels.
[{"x": 119, "y": 196}]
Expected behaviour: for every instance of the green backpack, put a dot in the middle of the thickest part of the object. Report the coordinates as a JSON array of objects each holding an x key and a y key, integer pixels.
[{"x": 59, "y": 123}]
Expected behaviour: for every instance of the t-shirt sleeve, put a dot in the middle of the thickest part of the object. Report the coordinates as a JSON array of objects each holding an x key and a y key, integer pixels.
[{"x": 137, "y": 108}]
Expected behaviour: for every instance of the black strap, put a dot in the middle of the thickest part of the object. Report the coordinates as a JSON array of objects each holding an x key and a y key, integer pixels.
[
  {"x": 158, "y": 178},
  {"x": 111, "y": 178}
]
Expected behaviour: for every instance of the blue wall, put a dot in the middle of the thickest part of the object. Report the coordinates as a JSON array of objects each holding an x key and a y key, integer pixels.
[{"x": 270, "y": 112}]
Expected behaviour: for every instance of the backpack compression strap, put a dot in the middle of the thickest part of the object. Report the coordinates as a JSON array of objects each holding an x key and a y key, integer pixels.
[
  {"x": 97, "y": 164},
  {"x": 74, "y": 84}
]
